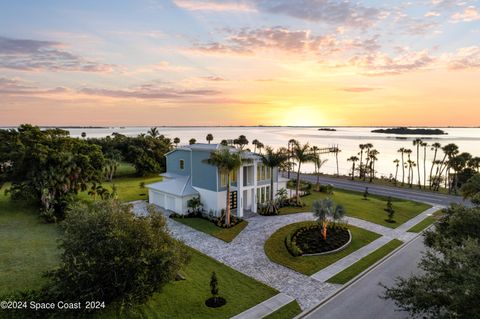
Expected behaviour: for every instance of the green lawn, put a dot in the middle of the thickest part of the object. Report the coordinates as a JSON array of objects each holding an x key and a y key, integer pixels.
[
  {"x": 27, "y": 245},
  {"x": 371, "y": 210},
  {"x": 203, "y": 225},
  {"x": 286, "y": 312},
  {"x": 355, "y": 269},
  {"x": 129, "y": 187},
  {"x": 185, "y": 299},
  {"x": 425, "y": 223},
  {"x": 28, "y": 248},
  {"x": 308, "y": 265}
]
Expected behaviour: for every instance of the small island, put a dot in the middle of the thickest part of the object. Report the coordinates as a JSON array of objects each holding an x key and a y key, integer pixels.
[
  {"x": 327, "y": 129},
  {"x": 412, "y": 131}
]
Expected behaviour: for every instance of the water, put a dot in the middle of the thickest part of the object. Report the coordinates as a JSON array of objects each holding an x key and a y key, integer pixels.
[{"x": 347, "y": 139}]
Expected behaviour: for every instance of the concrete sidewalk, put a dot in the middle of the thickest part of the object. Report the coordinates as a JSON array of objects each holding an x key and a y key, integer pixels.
[{"x": 265, "y": 308}]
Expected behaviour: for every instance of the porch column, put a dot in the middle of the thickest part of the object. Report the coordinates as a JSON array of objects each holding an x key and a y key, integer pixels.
[
  {"x": 254, "y": 201},
  {"x": 240, "y": 192}
]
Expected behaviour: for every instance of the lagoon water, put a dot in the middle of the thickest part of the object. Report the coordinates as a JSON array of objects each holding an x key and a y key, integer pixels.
[{"x": 347, "y": 139}]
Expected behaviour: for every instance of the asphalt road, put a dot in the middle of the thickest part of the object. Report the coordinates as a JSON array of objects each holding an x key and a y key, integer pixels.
[
  {"x": 361, "y": 299},
  {"x": 411, "y": 194}
]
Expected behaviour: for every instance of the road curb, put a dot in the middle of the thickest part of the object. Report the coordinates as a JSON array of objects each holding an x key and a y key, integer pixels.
[{"x": 360, "y": 276}]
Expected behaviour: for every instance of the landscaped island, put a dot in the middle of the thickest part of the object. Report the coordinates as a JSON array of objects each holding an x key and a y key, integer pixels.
[
  {"x": 327, "y": 129},
  {"x": 413, "y": 131}
]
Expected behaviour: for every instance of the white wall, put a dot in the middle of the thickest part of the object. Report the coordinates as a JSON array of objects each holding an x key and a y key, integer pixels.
[{"x": 211, "y": 200}]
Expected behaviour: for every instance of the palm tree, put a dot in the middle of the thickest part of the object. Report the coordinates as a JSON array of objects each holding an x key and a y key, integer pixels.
[
  {"x": 273, "y": 159},
  {"x": 326, "y": 209},
  {"x": 301, "y": 153},
  {"x": 409, "y": 162},
  {"x": 241, "y": 141},
  {"x": 337, "y": 150},
  {"x": 474, "y": 163},
  {"x": 424, "y": 145},
  {"x": 418, "y": 142},
  {"x": 176, "y": 141},
  {"x": 260, "y": 146},
  {"x": 209, "y": 138},
  {"x": 435, "y": 147},
  {"x": 192, "y": 141},
  {"x": 254, "y": 143},
  {"x": 362, "y": 147},
  {"x": 372, "y": 155},
  {"x": 84, "y": 134},
  {"x": 402, "y": 151},
  {"x": 224, "y": 143},
  {"x": 449, "y": 150},
  {"x": 353, "y": 159},
  {"x": 227, "y": 162},
  {"x": 153, "y": 132},
  {"x": 291, "y": 142},
  {"x": 396, "y": 162},
  {"x": 367, "y": 146},
  {"x": 315, "y": 149}
]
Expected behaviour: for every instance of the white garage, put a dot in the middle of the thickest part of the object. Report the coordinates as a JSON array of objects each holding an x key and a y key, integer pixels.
[{"x": 172, "y": 193}]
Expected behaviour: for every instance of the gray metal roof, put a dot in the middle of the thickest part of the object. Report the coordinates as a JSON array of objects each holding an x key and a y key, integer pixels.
[
  {"x": 177, "y": 185},
  {"x": 213, "y": 147}
]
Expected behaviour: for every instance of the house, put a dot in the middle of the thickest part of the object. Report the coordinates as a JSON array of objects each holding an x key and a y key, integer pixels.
[{"x": 188, "y": 175}]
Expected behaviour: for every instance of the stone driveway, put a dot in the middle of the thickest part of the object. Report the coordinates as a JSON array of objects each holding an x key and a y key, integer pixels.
[{"x": 245, "y": 253}]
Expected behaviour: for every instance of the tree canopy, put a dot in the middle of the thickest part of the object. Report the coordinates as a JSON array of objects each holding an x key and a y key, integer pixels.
[
  {"x": 109, "y": 254},
  {"x": 449, "y": 285}
]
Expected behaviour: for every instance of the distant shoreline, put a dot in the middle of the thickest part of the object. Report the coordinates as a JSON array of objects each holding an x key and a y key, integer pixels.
[
  {"x": 255, "y": 126},
  {"x": 410, "y": 131}
]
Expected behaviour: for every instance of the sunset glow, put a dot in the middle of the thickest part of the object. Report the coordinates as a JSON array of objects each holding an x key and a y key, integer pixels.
[{"x": 251, "y": 62}]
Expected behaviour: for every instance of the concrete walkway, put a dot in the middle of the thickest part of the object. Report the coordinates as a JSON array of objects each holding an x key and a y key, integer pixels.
[
  {"x": 246, "y": 254},
  {"x": 265, "y": 308}
]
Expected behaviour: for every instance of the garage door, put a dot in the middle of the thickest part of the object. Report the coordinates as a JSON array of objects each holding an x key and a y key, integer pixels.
[{"x": 170, "y": 203}]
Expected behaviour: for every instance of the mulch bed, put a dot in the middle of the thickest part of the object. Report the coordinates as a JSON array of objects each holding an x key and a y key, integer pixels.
[
  {"x": 311, "y": 241},
  {"x": 215, "y": 302}
]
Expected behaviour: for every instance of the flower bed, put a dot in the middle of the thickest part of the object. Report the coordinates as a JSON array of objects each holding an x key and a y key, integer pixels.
[{"x": 308, "y": 240}]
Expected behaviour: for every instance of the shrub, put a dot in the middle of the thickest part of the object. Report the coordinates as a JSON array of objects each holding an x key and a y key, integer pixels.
[
  {"x": 291, "y": 245},
  {"x": 109, "y": 254},
  {"x": 327, "y": 189}
]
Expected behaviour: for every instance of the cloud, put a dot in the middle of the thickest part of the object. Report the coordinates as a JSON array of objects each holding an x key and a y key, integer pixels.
[
  {"x": 376, "y": 64},
  {"x": 334, "y": 12},
  {"x": 35, "y": 55},
  {"x": 464, "y": 58},
  {"x": 14, "y": 86},
  {"x": 151, "y": 91},
  {"x": 358, "y": 89},
  {"x": 250, "y": 41},
  {"x": 199, "y": 5},
  {"x": 468, "y": 15},
  {"x": 432, "y": 14},
  {"x": 214, "y": 78}
]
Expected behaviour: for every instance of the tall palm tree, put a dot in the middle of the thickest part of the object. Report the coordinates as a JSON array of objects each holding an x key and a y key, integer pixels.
[
  {"x": 337, "y": 150},
  {"x": 84, "y": 134},
  {"x": 291, "y": 142},
  {"x": 362, "y": 147},
  {"x": 435, "y": 147},
  {"x": 254, "y": 143},
  {"x": 241, "y": 141},
  {"x": 272, "y": 159},
  {"x": 418, "y": 142},
  {"x": 227, "y": 162},
  {"x": 409, "y": 163},
  {"x": 302, "y": 154},
  {"x": 153, "y": 132},
  {"x": 474, "y": 163},
  {"x": 402, "y": 151},
  {"x": 424, "y": 145},
  {"x": 209, "y": 138},
  {"x": 397, "y": 163},
  {"x": 367, "y": 146},
  {"x": 449, "y": 150},
  {"x": 315, "y": 149},
  {"x": 353, "y": 159},
  {"x": 260, "y": 146},
  {"x": 176, "y": 140},
  {"x": 192, "y": 141},
  {"x": 372, "y": 155}
]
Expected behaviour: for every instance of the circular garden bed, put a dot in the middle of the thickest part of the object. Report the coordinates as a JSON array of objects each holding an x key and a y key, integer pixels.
[{"x": 308, "y": 240}]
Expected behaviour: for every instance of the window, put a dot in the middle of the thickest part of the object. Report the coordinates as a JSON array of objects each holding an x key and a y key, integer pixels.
[
  {"x": 262, "y": 176},
  {"x": 258, "y": 172},
  {"x": 223, "y": 180},
  {"x": 234, "y": 177},
  {"x": 268, "y": 173},
  {"x": 267, "y": 193},
  {"x": 262, "y": 197},
  {"x": 182, "y": 164}
]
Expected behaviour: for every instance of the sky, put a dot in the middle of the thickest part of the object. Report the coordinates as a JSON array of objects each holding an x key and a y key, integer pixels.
[{"x": 250, "y": 62}]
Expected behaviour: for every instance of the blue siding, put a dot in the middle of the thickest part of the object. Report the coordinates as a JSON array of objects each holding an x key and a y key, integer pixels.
[
  {"x": 173, "y": 162},
  {"x": 204, "y": 175}
]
